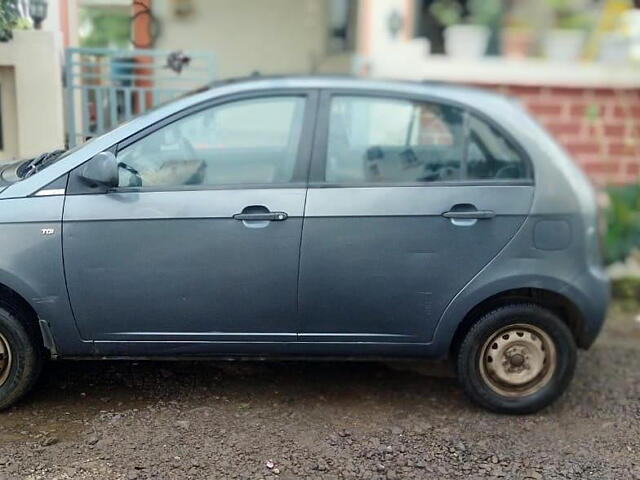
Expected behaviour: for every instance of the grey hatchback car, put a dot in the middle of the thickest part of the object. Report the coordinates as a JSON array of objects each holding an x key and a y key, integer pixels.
[{"x": 308, "y": 217}]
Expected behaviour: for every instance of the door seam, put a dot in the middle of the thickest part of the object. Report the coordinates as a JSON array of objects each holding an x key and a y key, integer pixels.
[
  {"x": 64, "y": 270},
  {"x": 310, "y": 158}
]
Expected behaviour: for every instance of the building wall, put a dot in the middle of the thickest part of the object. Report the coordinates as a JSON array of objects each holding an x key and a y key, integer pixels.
[
  {"x": 35, "y": 117},
  {"x": 599, "y": 127},
  {"x": 62, "y": 18},
  {"x": 9, "y": 145},
  {"x": 274, "y": 36}
]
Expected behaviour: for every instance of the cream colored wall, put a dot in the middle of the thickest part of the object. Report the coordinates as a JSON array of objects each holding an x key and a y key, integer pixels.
[
  {"x": 34, "y": 59},
  {"x": 271, "y": 36},
  {"x": 9, "y": 146}
]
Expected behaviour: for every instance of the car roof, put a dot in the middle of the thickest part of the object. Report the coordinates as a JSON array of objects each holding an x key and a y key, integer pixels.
[{"x": 452, "y": 92}]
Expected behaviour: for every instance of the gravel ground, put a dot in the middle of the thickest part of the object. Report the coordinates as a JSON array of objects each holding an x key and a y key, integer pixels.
[{"x": 123, "y": 420}]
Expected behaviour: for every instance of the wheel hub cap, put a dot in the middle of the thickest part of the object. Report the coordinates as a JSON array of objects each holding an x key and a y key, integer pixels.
[
  {"x": 518, "y": 360},
  {"x": 5, "y": 359}
]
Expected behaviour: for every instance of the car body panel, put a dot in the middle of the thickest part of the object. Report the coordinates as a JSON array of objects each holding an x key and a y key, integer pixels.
[
  {"x": 521, "y": 265},
  {"x": 377, "y": 263},
  {"x": 31, "y": 264},
  {"x": 188, "y": 270}
]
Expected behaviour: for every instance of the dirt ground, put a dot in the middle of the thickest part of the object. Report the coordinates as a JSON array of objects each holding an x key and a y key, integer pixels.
[{"x": 123, "y": 420}]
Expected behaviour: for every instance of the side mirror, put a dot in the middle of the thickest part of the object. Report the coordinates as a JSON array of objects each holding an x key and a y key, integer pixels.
[{"x": 101, "y": 171}]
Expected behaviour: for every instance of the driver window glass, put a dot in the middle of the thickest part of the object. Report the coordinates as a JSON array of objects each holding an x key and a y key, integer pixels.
[
  {"x": 245, "y": 142},
  {"x": 377, "y": 140},
  {"x": 491, "y": 156}
]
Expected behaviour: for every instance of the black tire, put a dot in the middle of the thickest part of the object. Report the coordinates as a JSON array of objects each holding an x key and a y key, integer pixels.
[
  {"x": 26, "y": 355},
  {"x": 470, "y": 353}
]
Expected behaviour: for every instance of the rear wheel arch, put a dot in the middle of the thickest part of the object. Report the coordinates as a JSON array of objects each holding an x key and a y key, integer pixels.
[{"x": 559, "y": 304}]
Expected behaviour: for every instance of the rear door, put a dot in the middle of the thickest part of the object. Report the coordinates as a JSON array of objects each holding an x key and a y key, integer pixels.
[{"x": 409, "y": 199}]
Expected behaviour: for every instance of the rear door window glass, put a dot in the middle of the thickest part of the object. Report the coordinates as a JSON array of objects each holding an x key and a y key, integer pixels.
[{"x": 379, "y": 140}]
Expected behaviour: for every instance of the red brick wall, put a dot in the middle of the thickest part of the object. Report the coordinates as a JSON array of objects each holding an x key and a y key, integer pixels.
[{"x": 600, "y": 128}]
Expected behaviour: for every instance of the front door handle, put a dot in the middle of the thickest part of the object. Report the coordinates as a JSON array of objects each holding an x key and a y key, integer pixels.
[
  {"x": 469, "y": 214},
  {"x": 262, "y": 216}
]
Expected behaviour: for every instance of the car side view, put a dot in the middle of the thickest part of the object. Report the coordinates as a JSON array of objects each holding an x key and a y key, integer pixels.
[{"x": 308, "y": 217}]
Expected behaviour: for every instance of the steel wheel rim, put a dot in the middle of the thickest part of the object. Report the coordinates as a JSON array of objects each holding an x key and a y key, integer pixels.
[
  {"x": 518, "y": 360},
  {"x": 5, "y": 359}
]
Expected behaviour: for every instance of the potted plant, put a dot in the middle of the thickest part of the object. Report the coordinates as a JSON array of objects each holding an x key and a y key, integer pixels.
[
  {"x": 517, "y": 38},
  {"x": 566, "y": 40},
  {"x": 468, "y": 35}
]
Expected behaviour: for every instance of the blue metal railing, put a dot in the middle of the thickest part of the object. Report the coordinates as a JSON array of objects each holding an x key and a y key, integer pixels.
[{"x": 105, "y": 87}]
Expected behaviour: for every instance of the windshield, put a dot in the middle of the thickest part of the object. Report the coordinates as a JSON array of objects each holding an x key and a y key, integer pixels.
[
  {"x": 34, "y": 165},
  {"x": 21, "y": 169}
]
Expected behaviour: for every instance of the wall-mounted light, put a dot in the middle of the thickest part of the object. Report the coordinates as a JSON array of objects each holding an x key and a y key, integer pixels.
[
  {"x": 182, "y": 8},
  {"x": 38, "y": 12},
  {"x": 394, "y": 23}
]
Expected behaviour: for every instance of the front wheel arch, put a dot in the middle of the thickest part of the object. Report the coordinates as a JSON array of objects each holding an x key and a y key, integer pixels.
[{"x": 28, "y": 315}]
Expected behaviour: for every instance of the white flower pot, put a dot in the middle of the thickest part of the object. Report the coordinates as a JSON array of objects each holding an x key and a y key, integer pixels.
[
  {"x": 614, "y": 48},
  {"x": 466, "y": 41},
  {"x": 564, "y": 45},
  {"x": 631, "y": 25}
]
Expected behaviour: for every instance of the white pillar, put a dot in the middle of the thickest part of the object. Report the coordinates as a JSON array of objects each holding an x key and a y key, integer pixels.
[{"x": 36, "y": 114}]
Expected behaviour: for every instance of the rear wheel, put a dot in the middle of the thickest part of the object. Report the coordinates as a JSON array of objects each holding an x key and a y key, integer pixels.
[
  {"x": 517, "y": 359},
  {"x": 20, "y": 356}
]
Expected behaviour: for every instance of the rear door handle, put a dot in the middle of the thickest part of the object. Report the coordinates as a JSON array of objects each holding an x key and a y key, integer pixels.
[
  {"x": 262, "y": 216},
  {"x": 470, "y": 214}
]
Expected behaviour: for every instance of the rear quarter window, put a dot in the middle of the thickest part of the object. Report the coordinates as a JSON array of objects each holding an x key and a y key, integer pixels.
[{"x": 490, "y": 155}]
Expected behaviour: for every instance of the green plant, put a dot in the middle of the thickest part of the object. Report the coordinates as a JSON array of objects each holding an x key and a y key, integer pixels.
[
  {"x": 480, "y": 12},
  {"x": 574, "y": 21},
  {"x": 567, "y": 17},
  {"x": 622, "y": 216},
  {"x": 105, "y": 27},
  {"x": 627, "y": 288},
  {"x": 23, "y": 24},
  {"x": 9, "y": 19},
  {"x": 484, "y": 12},
  {"x": 446, "y": 12}
]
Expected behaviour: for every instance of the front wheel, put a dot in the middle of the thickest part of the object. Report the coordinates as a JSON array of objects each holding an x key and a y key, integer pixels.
[
  {"x": 20, "y": 356},
  {"x": 517, "y": 359}
]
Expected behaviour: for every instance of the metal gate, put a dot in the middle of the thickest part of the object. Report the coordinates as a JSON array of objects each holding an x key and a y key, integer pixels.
[{"x": 105, "y": 87}]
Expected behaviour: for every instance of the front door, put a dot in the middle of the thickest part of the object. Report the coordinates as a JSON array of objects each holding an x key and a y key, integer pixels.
[
  {"x": 408, "y": 200},
  {"x": 200, "y": 243}
]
